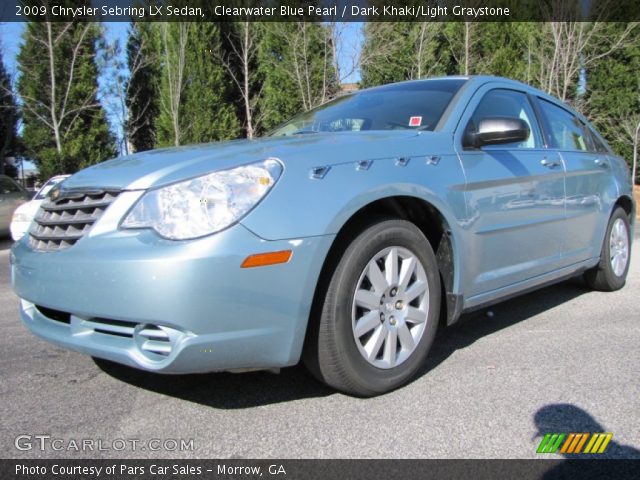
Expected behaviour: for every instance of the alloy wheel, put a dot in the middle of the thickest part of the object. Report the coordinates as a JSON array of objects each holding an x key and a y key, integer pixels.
[
  {"x": 390, "y": 307},
  {"x": 619, "y": 247}
]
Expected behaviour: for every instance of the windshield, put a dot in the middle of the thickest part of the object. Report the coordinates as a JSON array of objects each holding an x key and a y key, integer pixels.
[
  {"x": 401, "y": 106},
  {"x": 48, "y": 186}
]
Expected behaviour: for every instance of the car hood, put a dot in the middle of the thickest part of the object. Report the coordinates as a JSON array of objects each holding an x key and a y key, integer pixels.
[{"x": 155, "y": 168}]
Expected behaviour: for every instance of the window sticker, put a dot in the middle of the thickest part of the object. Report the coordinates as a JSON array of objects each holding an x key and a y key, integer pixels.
[{"x": 415, "y": 121}]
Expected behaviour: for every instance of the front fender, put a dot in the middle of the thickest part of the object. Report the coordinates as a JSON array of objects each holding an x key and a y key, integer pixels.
[{"x": 301, "y": 206}]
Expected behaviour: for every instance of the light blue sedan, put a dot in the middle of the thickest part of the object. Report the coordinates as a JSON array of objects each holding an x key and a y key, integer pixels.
[{"x": 343, "y": 238}]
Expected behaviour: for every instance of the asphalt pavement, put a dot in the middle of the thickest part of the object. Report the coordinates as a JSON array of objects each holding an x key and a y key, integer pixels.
[{"x": 562, "y": 359}]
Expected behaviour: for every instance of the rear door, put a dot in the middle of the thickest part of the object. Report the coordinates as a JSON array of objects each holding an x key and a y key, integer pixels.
[
  {"x": 587, "y": 180},
  {"x": 515, "y": 198}
]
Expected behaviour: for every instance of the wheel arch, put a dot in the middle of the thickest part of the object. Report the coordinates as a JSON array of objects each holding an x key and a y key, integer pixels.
[
  {"x": 627, "y": 205},
  {"x": 427, "y": 217}
]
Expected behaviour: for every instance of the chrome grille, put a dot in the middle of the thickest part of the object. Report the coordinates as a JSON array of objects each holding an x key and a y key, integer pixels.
[{"x": 66, "y": 216}]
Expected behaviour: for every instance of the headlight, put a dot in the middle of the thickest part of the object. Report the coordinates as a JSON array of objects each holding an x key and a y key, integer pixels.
[{"x": 206, "y": 204}]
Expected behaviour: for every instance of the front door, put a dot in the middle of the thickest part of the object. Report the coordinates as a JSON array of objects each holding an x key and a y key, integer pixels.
[{"x": 515, "y": 199}]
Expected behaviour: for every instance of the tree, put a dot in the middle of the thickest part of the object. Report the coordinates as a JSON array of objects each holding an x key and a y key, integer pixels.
[
  {"x": 172, "y": 40},
  {"x": 65, "y": 127},
  {"x": 207, "y": 96},
  {"x": 195, "y": 102},
  {"x": 140, "y": 90},
  {"x": 131, "y": 90},
  {"x": 400, "y": 51},
  {"x": 566, "y": 49},
  {"x": 612, "y": 99},
  {"x": 384, "y": 57},
  {"x": 405, "y": 51},
  {"x": 345, "y": 57},
  {"x": 278, "y": 101},
  {"x": 462, "y": 40},
  {"x": 503, "y": 49},
  {"x": 293, "y": 70},
  {"x": 9, "y": 144},
  {"x": 310, "y": 52},
  {"x": 239, "y": 61}
]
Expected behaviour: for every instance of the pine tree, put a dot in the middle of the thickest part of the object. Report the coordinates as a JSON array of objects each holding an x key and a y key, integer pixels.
[
  {"x": 238, "y": 54},
  {"x": 278, "y": 101},
  {"x": 296, "y": 70},
  {"x": 400, "y": 51},
  {"x": 142, "y": 88},
  {"x": 393, "y": 52},
  {"x": 195, "y": 104},
  {"x": 613, "y": 93},
  {"x": 65, "y": 127},
  {"x": 207, "y": 97}
]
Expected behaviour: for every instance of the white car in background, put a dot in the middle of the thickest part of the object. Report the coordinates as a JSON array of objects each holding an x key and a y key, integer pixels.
[{"x": 24, "y": 214}]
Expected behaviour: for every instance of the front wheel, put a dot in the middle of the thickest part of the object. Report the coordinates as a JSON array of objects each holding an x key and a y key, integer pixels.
[
  {"x": 380, "y": 311},
  {"x": 611, "y": 273}
]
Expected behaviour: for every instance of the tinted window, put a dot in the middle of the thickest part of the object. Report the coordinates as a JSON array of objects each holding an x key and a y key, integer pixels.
[
  {"x": 567, "y": 132},
  {"x": 7, "y": 186},
  {"x": 404, "y": 106},
  {"x": 508, "y": 103}
]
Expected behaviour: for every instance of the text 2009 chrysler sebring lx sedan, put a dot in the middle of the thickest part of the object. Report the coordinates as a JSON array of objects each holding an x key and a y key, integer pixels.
[{"x": 342, "y": 238}]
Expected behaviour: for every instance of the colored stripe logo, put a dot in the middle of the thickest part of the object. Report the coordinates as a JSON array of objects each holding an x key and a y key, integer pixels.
[{"x": 573, "y": 443}]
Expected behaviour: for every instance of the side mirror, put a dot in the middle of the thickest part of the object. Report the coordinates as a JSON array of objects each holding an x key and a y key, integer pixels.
[{"x": 496, "y": 130}]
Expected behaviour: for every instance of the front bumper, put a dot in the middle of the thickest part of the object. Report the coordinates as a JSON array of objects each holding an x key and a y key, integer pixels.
[{"x": 98, "y": 296}]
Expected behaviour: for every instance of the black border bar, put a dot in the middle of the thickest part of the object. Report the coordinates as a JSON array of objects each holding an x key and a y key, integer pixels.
[
  {"x": 320, "y": 469},
  {"x": 321, "y": 10}
]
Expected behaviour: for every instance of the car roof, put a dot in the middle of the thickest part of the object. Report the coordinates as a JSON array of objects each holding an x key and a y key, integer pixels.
[
  {"x": 476, "y": 81},
  {"x": 411, "y": 82},
  {"x": 479, "y": 80}
]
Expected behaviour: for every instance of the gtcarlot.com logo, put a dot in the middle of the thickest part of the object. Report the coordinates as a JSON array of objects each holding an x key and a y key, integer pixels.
[
  {"x": 574, "y": 443},
  {"x": 49, "y": 443}
]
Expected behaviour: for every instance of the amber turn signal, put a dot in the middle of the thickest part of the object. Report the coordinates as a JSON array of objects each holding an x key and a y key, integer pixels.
[{"x": 264, "y": 259}]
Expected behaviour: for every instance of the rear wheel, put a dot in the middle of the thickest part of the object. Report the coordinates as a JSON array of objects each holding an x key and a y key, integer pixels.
[
  {"x": 611, "y": 273},
  {"x": 380, "y": 312}
]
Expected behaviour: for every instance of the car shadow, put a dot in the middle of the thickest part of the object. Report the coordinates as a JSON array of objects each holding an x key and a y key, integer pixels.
[
  {"x": 616, "y": 461},
  {"x": 224, "y": 390},
  {"x": 483, "y": 322},
  {"x": 247, "y": 390},
  {"x": 568, "y": 418}
]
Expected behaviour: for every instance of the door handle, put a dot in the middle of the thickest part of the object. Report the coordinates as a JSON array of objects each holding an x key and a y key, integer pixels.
[
  {"x": 549, "y": 163},
  {"x": 601, "y": 163}
]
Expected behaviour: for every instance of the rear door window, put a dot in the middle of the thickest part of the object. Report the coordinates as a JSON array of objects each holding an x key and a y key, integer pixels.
[
  {"x": 598, "y": 144},
  {"x": 565, "y": 131}
]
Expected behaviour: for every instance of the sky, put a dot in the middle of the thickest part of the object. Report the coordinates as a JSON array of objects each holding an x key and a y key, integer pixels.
[{"x": 348, "y": 49}]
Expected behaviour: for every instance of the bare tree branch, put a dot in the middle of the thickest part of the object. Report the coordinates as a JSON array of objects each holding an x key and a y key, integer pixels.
[{"x": 242, "y": 42}]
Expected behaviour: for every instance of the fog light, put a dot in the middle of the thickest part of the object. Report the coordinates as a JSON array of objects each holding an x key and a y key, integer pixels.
[{"x": 154, "y": 342}]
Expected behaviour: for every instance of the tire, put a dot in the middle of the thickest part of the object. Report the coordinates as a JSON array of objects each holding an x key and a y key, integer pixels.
[
  {"x": 611, "y": 273},
  {"x": 386, "y": 350}
]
